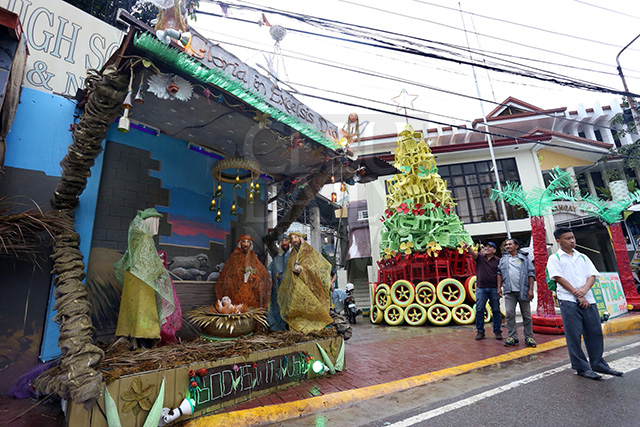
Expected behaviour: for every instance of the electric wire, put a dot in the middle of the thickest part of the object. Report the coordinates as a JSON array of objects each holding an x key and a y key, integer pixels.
[
  {"x": 387, "y": 77},
  {"x": 335, "y": 26}
]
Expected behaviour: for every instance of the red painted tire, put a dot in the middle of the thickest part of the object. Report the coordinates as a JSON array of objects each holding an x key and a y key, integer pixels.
[
  {"x": 470, "y": 286},
  {"x": 547, "y": 330},
  {"x": 551, "y": 321},
  {"x": 426, "y": 294}
]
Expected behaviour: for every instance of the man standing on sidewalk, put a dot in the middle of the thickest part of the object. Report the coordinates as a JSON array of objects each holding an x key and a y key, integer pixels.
[
  {"x": 575, "y": 274},
  {"x": 487, "y": 288},
  {"x": 516, "y": 273}
]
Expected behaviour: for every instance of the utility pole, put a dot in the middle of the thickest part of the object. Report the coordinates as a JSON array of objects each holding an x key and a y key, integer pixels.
[{"x": 634, "y": 113}]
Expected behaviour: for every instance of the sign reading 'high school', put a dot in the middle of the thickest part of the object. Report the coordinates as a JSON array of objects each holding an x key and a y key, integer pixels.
[{"x": 63, "y": 43}]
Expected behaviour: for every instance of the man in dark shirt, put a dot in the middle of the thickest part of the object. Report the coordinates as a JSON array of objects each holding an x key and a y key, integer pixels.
[{"x": 487, "y": 288}]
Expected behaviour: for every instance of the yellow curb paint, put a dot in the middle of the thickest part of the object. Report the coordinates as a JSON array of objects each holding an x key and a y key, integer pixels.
[{"x": 298, "y": 408}]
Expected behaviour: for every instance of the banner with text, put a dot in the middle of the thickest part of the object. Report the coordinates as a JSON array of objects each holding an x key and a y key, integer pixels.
[{"x": 609, "y": 295}]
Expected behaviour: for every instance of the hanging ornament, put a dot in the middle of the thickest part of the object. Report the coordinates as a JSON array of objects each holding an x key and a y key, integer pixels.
[
  {"x": 170, "y": 87},
  {"x": 127, "y": 101},
  {"x": 343, "y": 187},
  {"x": 218, "y": 191},
  {"x": 237, "y": 183},
  {"x": 219, "y": 216},
  {"x": 257, "y": 188},
  {"x": 212, "y": 205},
  {"x": 252, "y": 188},
  {"x": 139, "y": 99},
  {"x": 333, "y": 179},
  {"x": 233, "y": 209},
  {"x": 334, "y": 197},
  {"x": 251, "y": 200}
]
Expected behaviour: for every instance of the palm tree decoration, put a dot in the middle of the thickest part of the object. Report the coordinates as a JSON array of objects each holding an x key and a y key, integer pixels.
[
  {"x": 538, "y": 203},
  {"x": 610, "y": 213}
]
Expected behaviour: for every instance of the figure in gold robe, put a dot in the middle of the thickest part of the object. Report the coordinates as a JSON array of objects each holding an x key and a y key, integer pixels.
[{"x": 304, "y": 295}]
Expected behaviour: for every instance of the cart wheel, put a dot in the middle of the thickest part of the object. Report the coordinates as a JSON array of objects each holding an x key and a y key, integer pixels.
[
  {"x": 383, "y": 299},
  {"x": 394, "y": 315},
  {"x": 376, "y": 316},
  {"x": 426, "y": 294},
  {"x": 470, "y": 286},
  {"x": 463, "y": 314},
  {"x": 415, "y": 315},
  {"x": 402, "y": 293},
  {"x": 439, "y": 315},
  {"x": 450, "y": 292}
]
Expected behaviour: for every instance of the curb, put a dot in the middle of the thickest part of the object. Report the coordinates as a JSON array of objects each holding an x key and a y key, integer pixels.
[{"x": 299, "y": 408}]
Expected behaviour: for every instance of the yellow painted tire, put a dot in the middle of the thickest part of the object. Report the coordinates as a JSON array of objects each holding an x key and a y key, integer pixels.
[
  {"x": 463, "y": 314},
  {"x": 415, "y": 315},
  {"x": 470, "y": 286},
  {"x": 450, "y": 292},
  {"x": 383, "y": 299},
  {"x": 376, "y": 316},
  {"x": 372, "y": 293},
  {"x": 439, "y": 314},
  {"x": 402, "y": 293},
  {"x": 488, "y": 315},
  {"x": 426, "y": 294},
  {"x": 394, "y": 315}
]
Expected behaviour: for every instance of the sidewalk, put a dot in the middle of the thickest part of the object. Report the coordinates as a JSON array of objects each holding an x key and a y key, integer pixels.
[
  {"x": 383, "y": 359},
  {"x": 380, "y": 360}
]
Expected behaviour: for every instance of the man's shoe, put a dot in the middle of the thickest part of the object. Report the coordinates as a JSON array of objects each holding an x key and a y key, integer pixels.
[
  {"x": 612, "y": 372},
  {"x": 510, "y": 342},
  {"x": 530, "y": 342},
  {"x": 589, "y": 374},
  {"x": 479, "y": 336},
  {"x": 498, "y": 335}
]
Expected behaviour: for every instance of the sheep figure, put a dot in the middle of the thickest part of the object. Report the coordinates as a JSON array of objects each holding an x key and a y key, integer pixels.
[
  {"x": 216, "y": 273},
  {"x": 188, "y": 273},
  {"x": 200, "y": 261}
]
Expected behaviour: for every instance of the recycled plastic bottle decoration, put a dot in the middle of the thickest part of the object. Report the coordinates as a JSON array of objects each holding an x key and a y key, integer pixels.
[{"x": 236, "y": 171}]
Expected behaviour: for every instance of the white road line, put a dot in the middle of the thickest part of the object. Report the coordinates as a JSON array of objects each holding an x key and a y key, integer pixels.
[{"x": 625, "y": 365}]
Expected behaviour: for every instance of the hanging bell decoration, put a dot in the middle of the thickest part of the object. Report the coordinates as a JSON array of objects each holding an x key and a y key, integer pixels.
[
  {"x": 334, "y": 197},
  {"x": 139, "y": 98},
  {"x": 218, "y": 191},
  {"x": 252, "y": 188},
  {"x": 257, "y": 188},
  {"x": 237, "y": 183},
  {"x": 219, "y": 216},
  {"x": 127, "y": 101},
  {"x": 251, "y": 199},
  {"x": 333, "y": 179},
  {"x": 212, "y": 206},
  {"x": 233, "y": 209},
  {"x": 343, "y": 187}
]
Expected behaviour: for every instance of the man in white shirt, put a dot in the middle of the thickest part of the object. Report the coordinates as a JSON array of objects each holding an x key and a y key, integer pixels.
[{"x": 575, "y": 274}]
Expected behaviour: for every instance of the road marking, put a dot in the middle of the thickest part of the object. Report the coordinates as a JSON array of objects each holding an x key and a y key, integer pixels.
[{"x": 625, "y": 364}]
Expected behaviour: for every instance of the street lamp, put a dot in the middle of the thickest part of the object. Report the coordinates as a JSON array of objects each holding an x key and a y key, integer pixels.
[{"x": 634, "y": 113}]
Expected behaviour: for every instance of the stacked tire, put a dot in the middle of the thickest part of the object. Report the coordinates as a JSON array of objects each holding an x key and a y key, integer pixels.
[{"x": 403, "y": 302}]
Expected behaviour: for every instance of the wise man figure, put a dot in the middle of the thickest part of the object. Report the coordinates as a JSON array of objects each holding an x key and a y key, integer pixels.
[
  {"x": 244, "y": 278},
  {"x": 304, "y": 295},
  {"x": 277, "y": 269}
]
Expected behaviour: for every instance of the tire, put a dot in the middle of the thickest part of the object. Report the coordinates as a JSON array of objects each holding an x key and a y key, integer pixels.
[
  {"x": 439, "y": 314},
  {"x": 372, "y": 292},
  {"x": 547, "y": 330},
  {"x": 394, "y": 315},
  {"x": 383, "y": 299},
  {"x": 376, "y": 316},
  {"x": 402, "y": 293},
  {"x": 426, "y": 294},
  {"x": 488, "y": 315},
  {"x": 463, "y": 314},
  {"x": 415, "y": 315},
  {"x": 450, "y": 292},
  {"x": 470, "y": 286},
  {"x": 352, "y": 317},
  {"x": 552, "y": 321}
]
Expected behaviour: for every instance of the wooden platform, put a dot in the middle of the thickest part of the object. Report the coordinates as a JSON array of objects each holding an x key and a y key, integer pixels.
[{"x": 228, "y": 381}]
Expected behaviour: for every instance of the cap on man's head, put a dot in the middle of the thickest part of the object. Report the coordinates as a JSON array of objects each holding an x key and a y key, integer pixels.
[{"x": 493, "y": 245}]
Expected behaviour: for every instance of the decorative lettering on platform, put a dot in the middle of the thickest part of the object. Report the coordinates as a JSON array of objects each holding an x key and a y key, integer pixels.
[{"x": 223, "y": 383}]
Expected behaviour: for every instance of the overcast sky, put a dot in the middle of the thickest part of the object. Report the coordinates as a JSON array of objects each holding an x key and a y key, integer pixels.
[{"x": 577, "y": 39}]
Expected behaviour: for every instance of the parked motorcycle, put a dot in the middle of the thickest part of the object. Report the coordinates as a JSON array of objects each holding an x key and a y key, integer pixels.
[{"x": 350, "y": 309}]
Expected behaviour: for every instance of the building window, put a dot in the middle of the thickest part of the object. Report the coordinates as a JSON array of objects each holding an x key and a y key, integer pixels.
[
  {"x": 363, "y": 215},
  {"x": 582, "y": 135},
  {"x": 470, "y": 185},
  {"x": 616, "y": 138},
  {"x": 598, "y": 135}
]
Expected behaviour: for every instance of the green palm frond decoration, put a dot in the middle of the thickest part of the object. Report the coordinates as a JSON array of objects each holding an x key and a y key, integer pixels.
[
  {"x": 607, "y": 211},
  {"x": 537, "y": 202}
]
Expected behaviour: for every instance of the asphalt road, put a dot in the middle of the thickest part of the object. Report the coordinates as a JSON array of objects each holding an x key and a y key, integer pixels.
[{"x": 541, "y": 390}]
